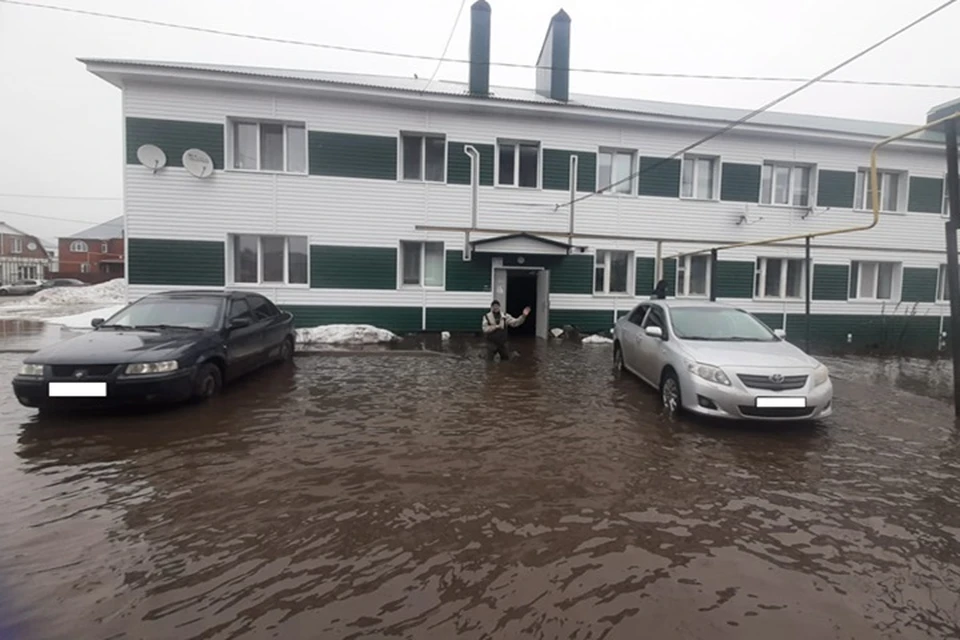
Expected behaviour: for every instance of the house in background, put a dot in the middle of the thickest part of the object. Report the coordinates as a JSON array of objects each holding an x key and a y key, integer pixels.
[
  {"x": 97, "y": 250},
  {"x": 21, "y": 255}
]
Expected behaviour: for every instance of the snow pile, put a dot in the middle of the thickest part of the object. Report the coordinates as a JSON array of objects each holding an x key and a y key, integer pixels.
[
  {"x": 597, "y": 339},
  {"x": 82, "y": 320},
  {"x": 344, "y": 334},
  {"x": 110, "y": 292}
]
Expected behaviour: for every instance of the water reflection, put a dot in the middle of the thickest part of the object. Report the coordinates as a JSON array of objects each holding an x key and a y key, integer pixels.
[{"x": 447, "y": 497}]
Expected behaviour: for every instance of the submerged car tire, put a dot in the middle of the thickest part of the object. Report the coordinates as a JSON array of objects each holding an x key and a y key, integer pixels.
[
  {"x": 208, "y": 383},
  {"x": 286, "y": 351},
  {"x": 618, "y": 358},
  {"x": 670, "y": 392}
]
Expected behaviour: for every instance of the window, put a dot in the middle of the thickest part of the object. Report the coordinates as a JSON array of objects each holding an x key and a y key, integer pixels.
[
  {"x": 423, "y": 157},
  {"x": 693, "y": 275},
  {"x": 104, "y": 248},
  {"x": 518, "y": 163},
  {"x": 421, "y": 264},
  {"x": 638, "y": 314},
  {"x": 266, "y": 146},
  {"x": 785, "y": 184},
  {"x": 890, "y": 191},
  {"x": 611, "y": 272},
  {"x": 943, "y": 286},
  {"x": 269, "y": 259},
  {"x": 779, "y": 278},
  {"x": 239, "y": 308},
  {"x": 656, "y": 319},
  {"x": 699, "y": 178},
  {"x": 873, "y": 280},
  {"x": 85, "y": 267},
  {"x": 261, "y": 308},
  {"x": 17, "y": 245},
  {"x": 614, "y": 167},
  {"x": 79, "y": 246}
]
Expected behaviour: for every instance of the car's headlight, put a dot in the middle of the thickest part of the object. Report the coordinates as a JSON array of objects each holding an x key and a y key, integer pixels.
[
  {"x": 820, "y": 375},
  {"x": 31, "y": 369},
  {"x": 151, "y": 367},
  {"x": 708, "y": 372}
]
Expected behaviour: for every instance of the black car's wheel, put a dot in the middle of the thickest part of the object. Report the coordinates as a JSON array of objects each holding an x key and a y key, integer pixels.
[
  {"x": 286, "y": 351},
  {"x": 208, "y": 383},
  {"x": 3, "y": 292},
  {"x": 670, "y": 392}
]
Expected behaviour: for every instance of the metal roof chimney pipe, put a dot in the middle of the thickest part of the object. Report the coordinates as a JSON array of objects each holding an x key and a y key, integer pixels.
[
  {"x": 553, "y": 65},
  {"x": 480, "y": 48}
]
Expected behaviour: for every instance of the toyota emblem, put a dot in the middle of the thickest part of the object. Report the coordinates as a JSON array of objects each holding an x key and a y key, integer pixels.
[
  {"x": 79, "y": 374},
  {"x": 776, "y": 378}
]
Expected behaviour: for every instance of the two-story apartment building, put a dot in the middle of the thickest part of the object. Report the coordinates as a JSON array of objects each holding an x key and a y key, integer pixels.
[
  {"x": 22, "y": 255},
  {"x": 98, "y": 249},
  {"x": 344, "y": 198}
]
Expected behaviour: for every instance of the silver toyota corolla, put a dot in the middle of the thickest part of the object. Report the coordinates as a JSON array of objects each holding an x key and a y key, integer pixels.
[{"x": 717, "y": 360}]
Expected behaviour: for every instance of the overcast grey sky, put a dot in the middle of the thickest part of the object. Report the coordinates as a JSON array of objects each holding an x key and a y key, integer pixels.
[{"x": 61, "y": 127}]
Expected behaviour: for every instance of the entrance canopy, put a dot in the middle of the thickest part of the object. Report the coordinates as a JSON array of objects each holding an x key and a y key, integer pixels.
[{"x": 525, "y": 243}]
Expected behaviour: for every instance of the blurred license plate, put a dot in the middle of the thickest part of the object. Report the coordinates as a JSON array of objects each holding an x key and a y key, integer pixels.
[
  {"x": 78, "y": 390},
  {"x": 781, "y": 402}
]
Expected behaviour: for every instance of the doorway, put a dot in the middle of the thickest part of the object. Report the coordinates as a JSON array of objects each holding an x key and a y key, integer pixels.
[{"x": 522, "y": 292}]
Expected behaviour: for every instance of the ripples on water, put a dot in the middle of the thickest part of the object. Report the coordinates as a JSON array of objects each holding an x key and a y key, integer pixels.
[{"x": 441, "y": 497}]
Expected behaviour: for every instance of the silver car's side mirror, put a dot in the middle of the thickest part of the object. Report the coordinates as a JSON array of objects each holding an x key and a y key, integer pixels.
[
  {"x": 780, "y": 333},
  {"x": 654, "y": 332}
]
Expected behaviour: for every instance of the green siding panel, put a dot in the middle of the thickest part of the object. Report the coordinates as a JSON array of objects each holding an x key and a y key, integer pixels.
[
  {"x": 175, "y": 262},
  {"x": 556, "y": 170},
  {"x": 899, "y": 332},
  {"x": 175, "y": 137},
  {"x": 735, "y": 278},
  {"x": 670, "y": 275},
  {"x": 573, "y": 275},
  {"x": 740, "y": 182},
  {"x": 350, "y": 155},
  {"x": 926, "y": 195},
  {"x": 772, "y": 320},
  {"x": 646, "y": 270},
  {"x": 333, "y": 267},
  {"x": 458, "y": 163},
  {"x": 659, "y": 177},
  {"x": 474, "y": 275},
  {"x": 836, "y": 188},
  {"x": 830, "y": 281},
  {"x": 591, "y": 320},
  {"x": 919, "y": 285},
  {"x": 396, "y": 319},
  {"x": 458, "y": 320}
]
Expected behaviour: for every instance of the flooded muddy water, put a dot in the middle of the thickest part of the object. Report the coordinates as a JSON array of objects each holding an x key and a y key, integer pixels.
[{"x": 370, "y": 497}]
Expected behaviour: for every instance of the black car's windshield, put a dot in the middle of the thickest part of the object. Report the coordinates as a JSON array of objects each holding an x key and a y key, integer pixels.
[
  {"x": 718, "y": 323},
  {"x": 202, "y": 313}
]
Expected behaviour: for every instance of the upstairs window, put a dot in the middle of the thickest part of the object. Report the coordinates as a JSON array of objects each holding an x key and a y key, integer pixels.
[
  {"x": 874, "y": 280},
  {"x": 785, "y": 184},
  {"x": 892, "y": 194},
  {"x": 943, "y": 287},
  {"x": 421, "y": 263},
  {"x": 423, "y": 157},
  {"x": 17, "y": 245},
  {"x": 104, "y": 248},
  {"x": 779, "y": 278},
  {"x": 269, "y": 146},
  {"x": 615, "y": 166},
  {"x": 270, "y": 260},
  {"x": 699, "y": 178},
  {"x": 693, "y": 275},
  {"x": 611, "y": 272},
  {"x": 79, "y": 246},
  {"x": 518, "y": 164}
]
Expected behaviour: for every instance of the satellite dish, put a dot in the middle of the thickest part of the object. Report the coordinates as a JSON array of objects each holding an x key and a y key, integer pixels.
[
  {"x": 152, "y": 157},
  {"x": 197, "y": 162}
]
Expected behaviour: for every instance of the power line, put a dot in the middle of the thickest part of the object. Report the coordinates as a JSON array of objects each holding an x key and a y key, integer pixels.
[
  {"x": 763, "y": 108},
  {"x": 453, "y": 30},
  {"x": 515, "y": 65},
  {"x": 43, "y": 217},
  {"x": 54, "y": 197}
]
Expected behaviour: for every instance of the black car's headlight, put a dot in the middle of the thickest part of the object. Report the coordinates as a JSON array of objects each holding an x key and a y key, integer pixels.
[
  {"x": 141, "y": 368},
  {"x": 34, "y": 370}
]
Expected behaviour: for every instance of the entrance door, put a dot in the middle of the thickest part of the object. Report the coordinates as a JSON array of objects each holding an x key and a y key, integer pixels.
[
  {"x": 500, "y": 285},
  {"x": 543, "y": 303},
  {"x": 522, "y": 293}
]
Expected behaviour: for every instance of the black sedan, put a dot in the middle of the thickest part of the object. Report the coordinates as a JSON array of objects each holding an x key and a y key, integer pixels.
[{"x": 165, "y": 347}]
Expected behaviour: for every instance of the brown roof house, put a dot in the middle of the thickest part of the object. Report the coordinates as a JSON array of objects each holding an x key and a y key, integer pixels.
[{"x": 21, "y": 255}]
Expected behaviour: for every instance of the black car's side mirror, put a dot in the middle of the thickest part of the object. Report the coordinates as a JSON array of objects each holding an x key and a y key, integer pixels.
[
  {"x": 239, "y": 323},
  {"x": 96, "y": 322}
]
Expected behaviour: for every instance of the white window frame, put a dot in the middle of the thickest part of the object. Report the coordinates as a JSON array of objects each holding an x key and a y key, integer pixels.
[
  {"x": 608, "y": 260},
  {"x": 516, "y": 162},
  {"x": 716, "y": 177},
  {"x": 17, "y": 245},
  {"x": 423, "y": 155},
  {"x": 612, "y": 151},
  {"x": 791, "y": 186},
  {"x": 423, "y": 265},
  {"x": 230, "y": 141},
  {"x": 943, "y": 288},
  {"x": 84, "y": 267},
  {"x": 861, "y": 187},
  {"x": 104, "y": 247},
  {"x": 684, "y": 264},
  {"x": 79, "y": 246},
  {"x": 760, "y": 278},
  {"x": 896, "y": 280},
  {"x": 232, "y": 262}
]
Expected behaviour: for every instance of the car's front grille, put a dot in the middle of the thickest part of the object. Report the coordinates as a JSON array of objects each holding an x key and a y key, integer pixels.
[
  {"x": 776, "y": 412},
  {"x": 788, "y": 383},
  {"x": 89, "y": 371}
]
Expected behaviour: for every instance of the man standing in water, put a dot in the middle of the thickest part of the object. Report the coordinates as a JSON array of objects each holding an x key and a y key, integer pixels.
[{"x": 495, "y": 326}]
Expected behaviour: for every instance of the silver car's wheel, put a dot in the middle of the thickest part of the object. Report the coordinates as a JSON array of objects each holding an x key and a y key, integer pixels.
[
  {"x": 618, "y": 358},
  {"x": 670, "y": 392}
]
